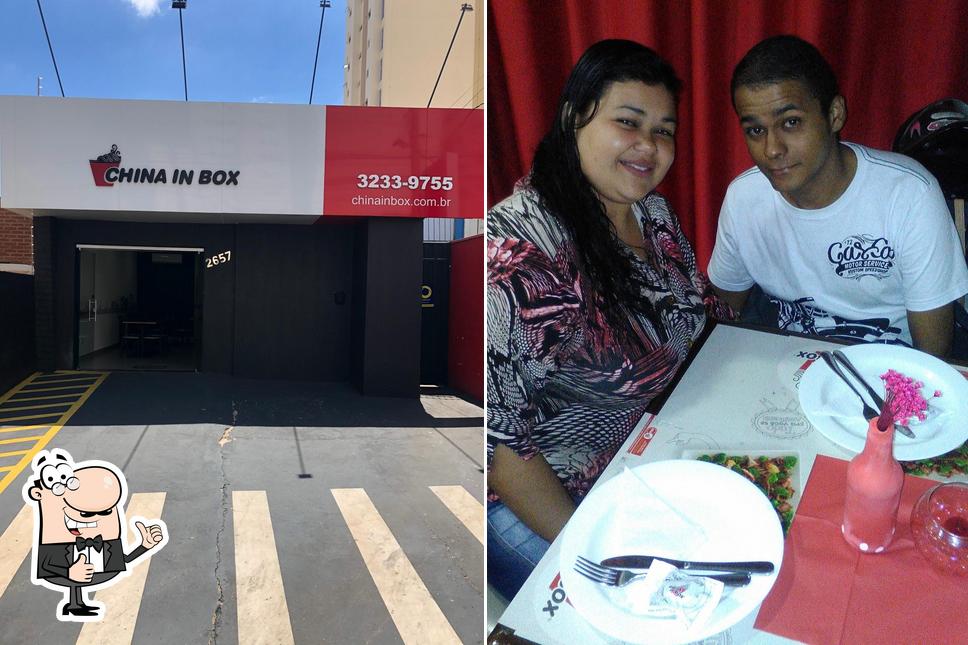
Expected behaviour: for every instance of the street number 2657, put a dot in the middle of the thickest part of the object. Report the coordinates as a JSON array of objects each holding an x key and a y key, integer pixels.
[{"x": 218, "y": 259}]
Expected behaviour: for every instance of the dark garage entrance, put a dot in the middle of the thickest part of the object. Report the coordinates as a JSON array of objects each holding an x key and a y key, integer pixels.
[{"x": 138, "y": 308}]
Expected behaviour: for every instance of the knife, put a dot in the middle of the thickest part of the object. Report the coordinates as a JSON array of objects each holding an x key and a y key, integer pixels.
[
  {"x": 645, "y": 561},
  {"x": 878, "y": 401}
]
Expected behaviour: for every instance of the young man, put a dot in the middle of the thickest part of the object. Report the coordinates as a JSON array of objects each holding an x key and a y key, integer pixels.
[{"x": 844, "y": 240}]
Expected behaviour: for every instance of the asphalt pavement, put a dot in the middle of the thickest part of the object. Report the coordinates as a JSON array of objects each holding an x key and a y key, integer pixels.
[{"x": 296, "y": 512}]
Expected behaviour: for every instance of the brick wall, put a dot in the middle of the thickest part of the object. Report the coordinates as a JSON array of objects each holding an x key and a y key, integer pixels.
[{"x": 16, "y": 238}]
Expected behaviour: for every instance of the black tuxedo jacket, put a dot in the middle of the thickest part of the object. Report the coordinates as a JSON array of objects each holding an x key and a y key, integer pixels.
[{"x": 53, "y": 560}]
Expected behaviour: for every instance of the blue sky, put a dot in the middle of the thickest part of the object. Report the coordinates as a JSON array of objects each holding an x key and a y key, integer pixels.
[{"x": 236, "y": 50}]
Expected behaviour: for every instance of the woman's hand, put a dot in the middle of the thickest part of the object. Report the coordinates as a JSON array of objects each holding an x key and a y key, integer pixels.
[{"x": 531, "y": 490}]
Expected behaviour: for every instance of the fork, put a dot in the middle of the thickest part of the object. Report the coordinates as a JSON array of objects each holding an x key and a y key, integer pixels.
[
  {"x": 869, "y": 412},
  {"x": 621, "y": 577},
  {"x": 878, "y": 401}
]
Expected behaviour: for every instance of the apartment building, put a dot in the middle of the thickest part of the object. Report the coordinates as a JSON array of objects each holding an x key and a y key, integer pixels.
[{"x": 395, "y": 51}]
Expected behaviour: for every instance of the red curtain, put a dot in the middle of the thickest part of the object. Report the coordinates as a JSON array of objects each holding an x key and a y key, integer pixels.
[{"x": 891, "y": 57}]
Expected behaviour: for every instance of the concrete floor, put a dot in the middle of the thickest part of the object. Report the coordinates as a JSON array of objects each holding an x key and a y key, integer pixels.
[
  {"x": 170, "y": 358},
  {"x": 198, "y": 438}
]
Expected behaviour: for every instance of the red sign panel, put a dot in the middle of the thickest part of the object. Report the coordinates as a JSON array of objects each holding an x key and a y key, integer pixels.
[{"x": 404, "y": 162}]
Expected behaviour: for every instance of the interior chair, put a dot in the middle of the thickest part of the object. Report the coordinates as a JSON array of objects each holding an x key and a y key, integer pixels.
[
  {"x": 153, "y": 341},
  {"x": 130, "y": 338}
]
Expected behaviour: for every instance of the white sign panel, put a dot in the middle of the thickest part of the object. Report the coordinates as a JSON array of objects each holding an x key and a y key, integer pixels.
[{"x": 161, "y": 156}]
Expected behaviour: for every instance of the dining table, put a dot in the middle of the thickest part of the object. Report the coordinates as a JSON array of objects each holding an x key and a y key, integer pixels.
[{"x": 738, "y": 393}]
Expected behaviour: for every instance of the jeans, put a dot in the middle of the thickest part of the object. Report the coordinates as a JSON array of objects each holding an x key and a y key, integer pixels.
[{"x": 513, "y": 550}]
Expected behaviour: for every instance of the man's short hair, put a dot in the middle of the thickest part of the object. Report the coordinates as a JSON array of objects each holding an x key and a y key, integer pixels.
[{"x": 787, "y": 58}]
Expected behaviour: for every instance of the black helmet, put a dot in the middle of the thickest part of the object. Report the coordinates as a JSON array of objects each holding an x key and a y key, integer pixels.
[{"x": 937, "y": 137}]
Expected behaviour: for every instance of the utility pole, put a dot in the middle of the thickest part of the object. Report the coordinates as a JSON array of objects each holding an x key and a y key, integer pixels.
[
  {"x": 180, "y": 5},
  {"x": 323, "y": 4}
]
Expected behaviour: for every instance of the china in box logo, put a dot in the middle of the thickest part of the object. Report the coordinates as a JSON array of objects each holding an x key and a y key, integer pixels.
[
  {"x": 108, "y": 171},
  {"x": 101, "y": 165}
]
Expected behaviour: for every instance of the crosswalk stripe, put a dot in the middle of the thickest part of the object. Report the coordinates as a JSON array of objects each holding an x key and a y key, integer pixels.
[
  {"x": 54, "y": 428},
  {"x": 41, "y": 398},
  {"x": 31, "y": 416},
  {"x": 263, "y": 615},
  {"x": 15, "y": 544},
  {"x": 84, "y": 380},
  {"x": 22, "y": 428},
  {"x": 417, "y": 617},
  {"x": 54, "y": 389},
  {"x": 20, "y": 439},
  {"x": 34, "y": 407},
  {"x": 20, "y": 386},
  {"x": 123, "y": 599},
  {"x": 462, "y": 504}
]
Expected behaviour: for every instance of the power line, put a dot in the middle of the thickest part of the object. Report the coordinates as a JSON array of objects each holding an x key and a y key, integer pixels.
[
  {"x": 51, "y": 47},
  {"x": 462, "y": 94},
  {"x": 464, "y": 7},
  {"x": 322, "y": 5},
  {"x": 476, "y": 96}
]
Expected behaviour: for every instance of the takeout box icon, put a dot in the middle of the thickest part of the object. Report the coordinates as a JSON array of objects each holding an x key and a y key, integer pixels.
[{"x": 99, "y": 168}]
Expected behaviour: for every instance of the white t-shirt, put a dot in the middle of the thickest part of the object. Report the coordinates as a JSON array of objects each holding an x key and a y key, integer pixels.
[{"x": 853, "y": 268}]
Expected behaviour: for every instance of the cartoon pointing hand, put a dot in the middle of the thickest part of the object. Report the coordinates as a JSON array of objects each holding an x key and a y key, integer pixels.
[{"x": 150, "y": 536}]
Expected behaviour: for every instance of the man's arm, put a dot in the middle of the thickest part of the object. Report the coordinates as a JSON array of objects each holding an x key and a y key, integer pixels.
[
  {"x": 532, "y": 490},
  {"x": 52, "y": 560},
  {"x": 735, "y": 299},
  {"x": 932, "y": 330}
]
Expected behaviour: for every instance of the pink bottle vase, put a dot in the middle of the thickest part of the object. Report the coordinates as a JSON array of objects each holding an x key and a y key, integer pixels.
[{"x": 874, "y": 480}]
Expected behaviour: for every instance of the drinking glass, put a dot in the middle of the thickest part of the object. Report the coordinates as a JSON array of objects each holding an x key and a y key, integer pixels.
[{"x": 939, "y": 525}]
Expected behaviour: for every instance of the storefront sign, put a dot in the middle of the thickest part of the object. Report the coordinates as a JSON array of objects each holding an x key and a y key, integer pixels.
[
  {"x": 260, "y": 162},
  {"x": 403, "y": 162},
  {"x": 107, "y": 171}
]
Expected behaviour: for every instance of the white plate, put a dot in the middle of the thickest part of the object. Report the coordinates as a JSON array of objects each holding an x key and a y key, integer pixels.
[
  {"x": 737, "y": 520},
  {"x": 794, "y": 500},
  {"x": 837, "y": 413}
]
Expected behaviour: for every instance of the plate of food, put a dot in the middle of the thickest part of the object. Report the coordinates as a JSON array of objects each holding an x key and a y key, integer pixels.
[
  {"x": 932, "y": 399},
  {"x": 949, "y": 464},
  {"x": 775, "y": 472},
  {"x": 680, "y": 509}
]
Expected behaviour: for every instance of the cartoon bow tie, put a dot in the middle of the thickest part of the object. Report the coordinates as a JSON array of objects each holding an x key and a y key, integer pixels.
[{"x": 83, "y": 543}]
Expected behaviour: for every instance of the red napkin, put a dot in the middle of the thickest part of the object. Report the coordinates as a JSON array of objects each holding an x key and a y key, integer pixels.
[{"x": 828, "y": 592}]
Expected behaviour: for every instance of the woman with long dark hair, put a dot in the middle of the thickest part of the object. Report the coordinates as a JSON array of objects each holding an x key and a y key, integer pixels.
[{"x": 593, "y": 299}]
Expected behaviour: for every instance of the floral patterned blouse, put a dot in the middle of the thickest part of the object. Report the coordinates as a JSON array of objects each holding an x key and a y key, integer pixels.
[{"x": 560, "y": 381}]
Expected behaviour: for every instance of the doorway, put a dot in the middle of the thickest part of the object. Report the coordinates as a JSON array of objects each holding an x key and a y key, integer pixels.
[
  {"x": 434, "y": 304},
  {"x": 139, "y": 308}
]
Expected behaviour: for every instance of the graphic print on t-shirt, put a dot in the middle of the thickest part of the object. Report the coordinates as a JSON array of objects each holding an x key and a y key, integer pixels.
[
  {"x": 861, "y": 255},
  {"x": 802, "y": 316}
]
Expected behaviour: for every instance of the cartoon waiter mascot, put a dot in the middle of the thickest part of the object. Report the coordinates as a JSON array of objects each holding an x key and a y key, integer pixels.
[{"x": 79, "y": 539}]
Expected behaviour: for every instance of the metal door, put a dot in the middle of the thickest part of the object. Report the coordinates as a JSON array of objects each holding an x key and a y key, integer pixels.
[{"x": 434, "y": 300}]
